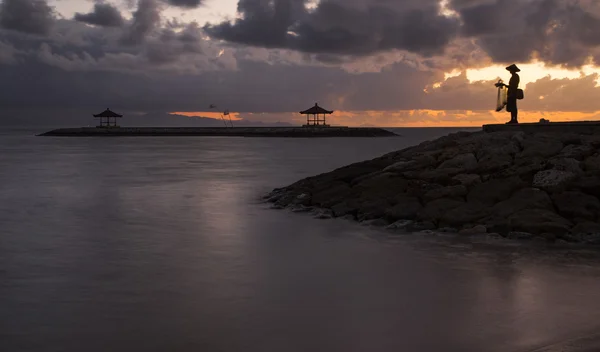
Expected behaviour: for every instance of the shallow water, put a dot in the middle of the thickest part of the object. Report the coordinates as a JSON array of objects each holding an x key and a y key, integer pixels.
[{"x": 157, "y": 244}]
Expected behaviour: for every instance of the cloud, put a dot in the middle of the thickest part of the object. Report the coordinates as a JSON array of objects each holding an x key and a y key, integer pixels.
[
  {"x": 553, "y": 31},
  {"x": 349, "y": 27},
  {"x": 26, "y": 16},
  {"x": 145, "y": 20},
  {"x": 104, "y": 15},
  {"x": 185, "y": 3}
]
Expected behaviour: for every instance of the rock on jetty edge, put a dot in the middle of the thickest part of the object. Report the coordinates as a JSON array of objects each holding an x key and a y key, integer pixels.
[{"x": 516, "y": 184}]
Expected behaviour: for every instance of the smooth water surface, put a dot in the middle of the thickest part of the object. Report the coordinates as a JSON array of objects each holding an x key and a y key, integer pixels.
[{"x": 161, "y": 244}]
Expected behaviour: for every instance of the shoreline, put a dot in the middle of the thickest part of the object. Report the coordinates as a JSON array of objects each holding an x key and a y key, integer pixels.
[
  {"x": 286, "y": 132},
  {"x": 511, "y": 184}
]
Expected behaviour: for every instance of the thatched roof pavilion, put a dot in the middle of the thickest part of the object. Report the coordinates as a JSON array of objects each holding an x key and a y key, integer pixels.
[
  {"x": 108, "y": 118},
  {"x": 316, "y": 115}
]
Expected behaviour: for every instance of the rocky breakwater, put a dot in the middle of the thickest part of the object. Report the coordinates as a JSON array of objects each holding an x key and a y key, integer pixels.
[{"x": 514, "y": 184}]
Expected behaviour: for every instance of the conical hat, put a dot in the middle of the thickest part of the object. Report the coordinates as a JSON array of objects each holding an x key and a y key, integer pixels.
[{"x": 513, "y": 67}]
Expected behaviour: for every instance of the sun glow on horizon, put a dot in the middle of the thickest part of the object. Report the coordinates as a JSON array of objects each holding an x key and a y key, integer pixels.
[
  {"x": 235, "y": 116},
  {"x": 530, "y": 72}
]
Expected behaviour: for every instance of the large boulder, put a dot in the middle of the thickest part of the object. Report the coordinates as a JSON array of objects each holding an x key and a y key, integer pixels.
[
  {"x": 577, "y": 205},
  {"x": 552, "y": 180},
  {"x": 494, "y": 190},
  {"x": 589, "y": 184},
  {"x": 401, "y": 166},
  {"x": 434, "y": 210},
  {"x": 496, "y": 157},
  {"x": 544, "y": 147},
  {"x": 592, "y": 163},
  {"x": 372, "y": 208},
  {"x": 381, "y": 185},
  {"x": 440, "y": 176},
  {"x": 466, "y": 213},
  {"x": 332, "y": 194},
  {"x": 566, "y": 164},
  {"x": 406, "y": 208},
  {"x": 578, "y": 152},
  {"x": 539, "y": 221},
  {"x": 466, "y": 180},
  {"x": 465, "y": 162},
  {"x": 526, "y": 198},
  {"x": 446, "y": 192},
  {"x": 586, "y": 227}
]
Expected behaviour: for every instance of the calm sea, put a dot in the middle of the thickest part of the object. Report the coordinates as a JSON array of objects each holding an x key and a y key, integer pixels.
[{"x": 160, "y": 244}]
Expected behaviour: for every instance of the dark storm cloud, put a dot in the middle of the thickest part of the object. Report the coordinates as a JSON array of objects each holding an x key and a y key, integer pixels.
[
  {"x": 26, "y": 16},
  {"x": 185, "y": 3},
  {"x": 349, "y": 27},
  {"x": 104, "y": 15},
  {"x": 145, "y": 20},
  {"x": 554, "y": 31}
]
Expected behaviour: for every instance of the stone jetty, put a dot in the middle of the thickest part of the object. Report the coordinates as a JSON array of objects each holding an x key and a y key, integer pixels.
[
  {"x": 302, "y": 132},
  {"x": 521, "y": 184}
]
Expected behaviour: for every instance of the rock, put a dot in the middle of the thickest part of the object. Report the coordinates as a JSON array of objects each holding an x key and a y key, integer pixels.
[
  {"x": 301, "y": 209},
  {"x": 402, "y": 166},
  {"x": 552, "y": 180},
  {"x": 375, "y": 223},
  {"x": 331, "y": 194},
  {"x": 494, "y": 236},
  {"x": 577, "y": 152},
  {"x": 344, "y": 208},
  {"x": 494, "y": 190},
  {"x": 540, "y": 147},
  {"x": 494, "y": 162},
  {"x": 592, "y": 163},
  {"x": 526, "y": 198},
  {"x": 421, "y": 226},
  {"x": 577, "y": 205},
  {"x": 516, "y": 235},
  {"x": 589, "y": 184},
  {"x": 465, "y": 213},
  {"x": 445, "y": 192},
  {"x": 441, "y": 176},
  {"x": 407, "y": 208},
  {"x": 463, "y": 162},
  {"x": 434, "y": 210},
  {"x": 586, "y": 227},
  {"x": 447, "y": 230},
  {"x": 372, "y": 209},
  {"x": 539, "y": 221},
  {"x": 592, "y": 238},
  {"x": 475, "y": 230},
  {"x": 302, "y": 200},
  {"x": 400, "y": 224},
  {"x": 519, "y": 138},
  {"x": 348, "y": 217},
  {"x": 323, "y": 214},
  {"x": 467, "y": 180},
  {"x": 383, "y": 185},
  {"x": 524, "y": 169},
  {"x": 566, "y": 164}
]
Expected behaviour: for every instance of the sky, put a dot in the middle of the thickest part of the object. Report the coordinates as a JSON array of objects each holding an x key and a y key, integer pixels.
[{"x": 375, "y": 62}]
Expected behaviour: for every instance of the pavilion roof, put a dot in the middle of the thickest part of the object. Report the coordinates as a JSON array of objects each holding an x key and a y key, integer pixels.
[
  {"x": 316, "y": 110},
  {"x": 108, "y": 113}
]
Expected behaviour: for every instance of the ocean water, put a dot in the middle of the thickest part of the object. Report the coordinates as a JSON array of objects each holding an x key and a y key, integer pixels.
[{"x": 162, "y": 244}]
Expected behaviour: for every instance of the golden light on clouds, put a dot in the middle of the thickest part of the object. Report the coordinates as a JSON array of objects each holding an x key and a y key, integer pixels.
[
  {"x": 530, "y": 72},
  {"x": 235, "y": 116}
]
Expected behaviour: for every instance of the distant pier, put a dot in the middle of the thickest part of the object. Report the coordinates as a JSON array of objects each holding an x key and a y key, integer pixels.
[
  {"x": 287, "y": 132},
  {"x": 580, "y": 127}
]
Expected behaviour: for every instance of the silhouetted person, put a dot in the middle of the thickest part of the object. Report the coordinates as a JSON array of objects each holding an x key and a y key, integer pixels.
[{"x": 513, "y": 87}]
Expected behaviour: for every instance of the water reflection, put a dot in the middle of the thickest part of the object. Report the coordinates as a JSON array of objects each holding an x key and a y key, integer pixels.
[{"x": 158, "y": 244}]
